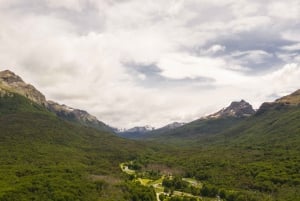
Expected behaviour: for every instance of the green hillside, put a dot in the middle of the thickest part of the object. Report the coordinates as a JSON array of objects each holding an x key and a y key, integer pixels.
[
  {"x": 45, "y": 158},
  {"x": 256, "y": 159},
  {"x": 195, "y": 130}
]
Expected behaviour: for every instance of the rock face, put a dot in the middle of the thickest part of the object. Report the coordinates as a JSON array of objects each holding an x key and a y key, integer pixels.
[
  {"x": 76, "y": 115},
  {"x": 11, "y": 82},
  {"x": 70, "y": 113},
  {"x": 236, "y": 109}
]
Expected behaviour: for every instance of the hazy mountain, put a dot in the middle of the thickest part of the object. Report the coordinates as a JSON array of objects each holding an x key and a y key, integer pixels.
[
  {"x": 135, "y": 132},
  {"x": 145, "y": 131},
  {"x": 172, "y": 126}
]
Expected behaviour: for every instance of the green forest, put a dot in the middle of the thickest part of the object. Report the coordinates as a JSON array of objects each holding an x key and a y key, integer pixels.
[{"x": 43, "y": 157}]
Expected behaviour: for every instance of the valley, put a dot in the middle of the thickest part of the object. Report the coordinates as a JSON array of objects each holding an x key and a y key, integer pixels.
[
  {"x": 162, "y": 193},
  {"x": 59, "y": 153}
]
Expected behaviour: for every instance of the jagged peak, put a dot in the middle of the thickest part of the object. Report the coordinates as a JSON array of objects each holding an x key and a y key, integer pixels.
[
  {"x": 235, "y": 109},
  {"x": 10, "y": 77},
  {"x": 11, "y": 82}
]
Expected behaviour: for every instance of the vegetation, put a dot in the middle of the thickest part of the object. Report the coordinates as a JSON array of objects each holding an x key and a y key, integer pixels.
[
  {"x": 45, "y": 158},
  {"x": 257, "y": 159}
]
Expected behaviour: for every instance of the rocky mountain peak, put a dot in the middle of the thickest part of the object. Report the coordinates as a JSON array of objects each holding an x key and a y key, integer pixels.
[
  {"x": 12, "y": 82},
  {"x": 235, "y": 109},
  {"x": 9, "y": 77}
]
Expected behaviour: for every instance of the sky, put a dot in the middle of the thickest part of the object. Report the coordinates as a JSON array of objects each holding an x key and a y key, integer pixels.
[{"x": 153, "y": 62}]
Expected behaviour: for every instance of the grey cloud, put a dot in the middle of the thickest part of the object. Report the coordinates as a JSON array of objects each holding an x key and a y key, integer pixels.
[{"x": 151, "y": 77}]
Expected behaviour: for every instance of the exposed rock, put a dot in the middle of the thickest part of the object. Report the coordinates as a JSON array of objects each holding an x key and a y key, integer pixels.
[
  {"x": 11, "y": 82},
  {"x": 236, "y": 109}
]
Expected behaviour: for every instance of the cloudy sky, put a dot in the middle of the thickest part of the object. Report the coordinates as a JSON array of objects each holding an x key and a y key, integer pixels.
[{"x": 138, "y": 62}]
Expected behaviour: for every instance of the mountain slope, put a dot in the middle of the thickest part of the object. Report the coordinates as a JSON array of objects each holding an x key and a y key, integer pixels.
[
  {"x": 13, "y": 83},
  {"x": 257, "y": 158},
  {"x": 77, "y": 116},
  {"x": 135, "y": 132},
  {"x": 45, "y": 158},
  {"x": 213, "y": 124},
  {"x": 292, "y": 99}
]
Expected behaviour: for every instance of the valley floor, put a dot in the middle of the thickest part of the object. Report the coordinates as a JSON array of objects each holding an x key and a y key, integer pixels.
[{"x": 159, "y": 188}]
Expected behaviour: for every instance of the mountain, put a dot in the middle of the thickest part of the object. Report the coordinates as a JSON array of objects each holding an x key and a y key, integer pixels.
[
  {"x": 235, "y": 109},
  {"x": 77, "y": 116},
  {"x": 43, "y": 157},
  {"x": 172, "y": 126},
  {"x": 209, "y": 125},
  {"x": 141, "y": 129},
  {"x": 253, "y": 157},
  {"x": 135, "y": 132},
  {"x": 292, "y": 99},
  {"x": 234, "y": 155},
  {"x": 145, "y": 131},
  {"x": 9, "y": 81}
]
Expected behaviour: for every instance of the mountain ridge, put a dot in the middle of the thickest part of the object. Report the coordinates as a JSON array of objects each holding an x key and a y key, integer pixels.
[{"x": 10, "y": 82}]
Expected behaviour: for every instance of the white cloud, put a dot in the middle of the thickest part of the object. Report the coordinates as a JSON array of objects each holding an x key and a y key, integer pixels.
[
  {"x": 284, "y": 80},
  {"x": 293, "y": 47},
  {"x": 256, "y": 56},
  {"x": 181, "y": 66},
  {"x": 292, "y": 35},
  {"x": 76, "y": 5},
  {"x": 204, "y": 46},
  {"x": 213, "y": 50},
  {"x": 285, "y": 10}
]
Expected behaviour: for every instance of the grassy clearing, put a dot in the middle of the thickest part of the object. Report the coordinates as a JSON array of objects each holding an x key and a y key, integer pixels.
[{"x": 193, "y": 182}]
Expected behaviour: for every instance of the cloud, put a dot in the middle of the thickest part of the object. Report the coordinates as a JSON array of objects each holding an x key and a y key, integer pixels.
[
  {"x": 294, "y": 47},
  {"x": 132, "y": 62},
  {"x": 288, "y": 10}
]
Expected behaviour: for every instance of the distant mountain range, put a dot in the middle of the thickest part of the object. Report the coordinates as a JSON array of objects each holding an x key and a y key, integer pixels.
[{"x": 234, "y": 112}]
